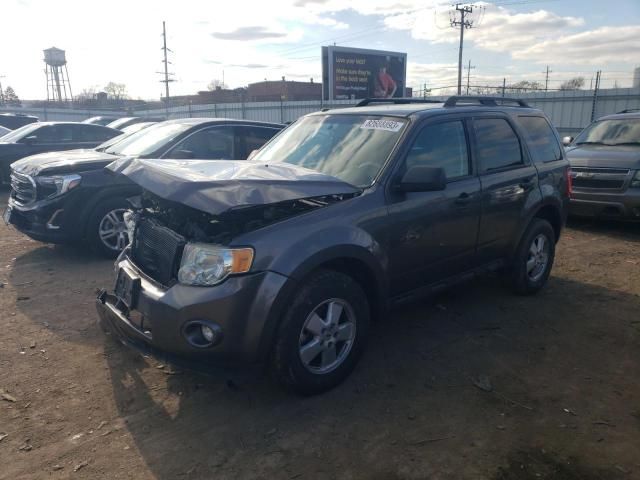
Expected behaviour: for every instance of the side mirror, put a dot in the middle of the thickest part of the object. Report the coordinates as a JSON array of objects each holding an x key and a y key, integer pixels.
[
  {"x": 423, "y": 179},
  {"x": 181, "y": 155},
  {"x": 566, "y": 141},
  {"x": 30, "y": 140},
  {"x": 252, "y": 154}
]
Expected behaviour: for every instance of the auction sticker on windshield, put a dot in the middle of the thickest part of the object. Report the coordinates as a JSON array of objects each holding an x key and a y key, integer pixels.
[{"x": 388, "y": 125}]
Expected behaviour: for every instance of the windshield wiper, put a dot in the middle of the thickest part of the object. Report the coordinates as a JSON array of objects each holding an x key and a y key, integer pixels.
[
  {"x": 623, "y": 143},
  {"x": 591, "y": 143}
]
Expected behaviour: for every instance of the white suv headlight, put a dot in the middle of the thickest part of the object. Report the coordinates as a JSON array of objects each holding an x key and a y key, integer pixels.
[
  {"x": 635, "y": 181},
  {"x": 58, "y": 184},
  {"x": 204, "y": 264}
]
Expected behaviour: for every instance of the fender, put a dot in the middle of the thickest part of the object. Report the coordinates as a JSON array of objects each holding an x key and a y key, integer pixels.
[
  {"x": 330, "y": 257},
  {"x": 548, "y": 201}
]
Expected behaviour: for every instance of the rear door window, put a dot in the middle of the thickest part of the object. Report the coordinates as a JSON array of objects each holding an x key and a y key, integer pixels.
[
  {"x": 497, "y": 145},
  {"x": 91, "y": 133},
  {"x": 543, "y": 143}
]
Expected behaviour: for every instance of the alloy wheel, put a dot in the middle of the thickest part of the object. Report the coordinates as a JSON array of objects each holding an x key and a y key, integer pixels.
[
  {"x": 327, "y": 336},
  {"x": 538, "y": 257},
  {"x": 112, "y": 230}
]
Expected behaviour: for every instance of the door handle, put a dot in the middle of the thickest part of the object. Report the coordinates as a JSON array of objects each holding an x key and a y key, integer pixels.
[
  {"x": 463, "y": 199},
  {"x": 528, "y": 184}
]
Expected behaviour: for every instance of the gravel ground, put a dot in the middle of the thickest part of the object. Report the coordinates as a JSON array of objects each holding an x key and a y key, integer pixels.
[{"x": 474, "y": 384}]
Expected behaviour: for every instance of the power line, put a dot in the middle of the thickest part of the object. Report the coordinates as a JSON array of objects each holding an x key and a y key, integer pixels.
[{"x": 463, "y": 24}]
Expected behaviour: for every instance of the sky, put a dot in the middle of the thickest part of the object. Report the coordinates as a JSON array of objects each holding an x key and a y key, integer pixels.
[{"x": 247, "y": 41}]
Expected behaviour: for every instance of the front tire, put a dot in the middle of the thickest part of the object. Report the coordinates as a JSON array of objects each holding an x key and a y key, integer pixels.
[
  {"x": 106, "y": 230},
  {"x": 534, "y": 257},
  {"x": 322, "y": 334}
]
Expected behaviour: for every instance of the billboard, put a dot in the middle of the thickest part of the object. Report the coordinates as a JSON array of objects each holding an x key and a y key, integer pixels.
[{"x": 355, "y": 73}]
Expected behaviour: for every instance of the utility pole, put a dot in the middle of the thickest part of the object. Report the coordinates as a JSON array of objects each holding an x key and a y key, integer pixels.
[
  {"x": 462, "y": 23},
  {"x": 504, "y": 85},
  {"x": 166, "y": 62},
  {"x": 1, "y": 92},
  {"x": 546, "y": 81},
  {"x": 468, "y": 75},
  {"x": 595, "y": 94}
]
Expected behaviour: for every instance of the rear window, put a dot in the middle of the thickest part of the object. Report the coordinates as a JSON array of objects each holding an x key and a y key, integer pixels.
[
  {"x": 543, "y": 144},
  {"x": 498, "y": 145}
]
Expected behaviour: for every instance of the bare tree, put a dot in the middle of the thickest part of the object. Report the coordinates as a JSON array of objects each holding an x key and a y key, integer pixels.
[
  {"x": 216, "y": 84},
  {"x": 524, "y": 86},
  {"x": 86, "y": 94},
  {"x": 575, "y": 83},
  {"x": 118, "y": 91}
]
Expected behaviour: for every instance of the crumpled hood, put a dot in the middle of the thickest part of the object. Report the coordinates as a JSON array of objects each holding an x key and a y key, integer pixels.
[
  {"x": 215, "y": 186},
  {"x": 602, "y": 156},
  {"x": 63, "y": 162}
]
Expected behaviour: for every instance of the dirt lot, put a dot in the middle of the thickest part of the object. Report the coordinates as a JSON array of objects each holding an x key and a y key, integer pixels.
[{"x": 476, "y": 383}]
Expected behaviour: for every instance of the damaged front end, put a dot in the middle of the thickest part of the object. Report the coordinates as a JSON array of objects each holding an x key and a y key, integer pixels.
[
  {"x": 192, "y": 211},
  {"x": 162, "y": 229}
]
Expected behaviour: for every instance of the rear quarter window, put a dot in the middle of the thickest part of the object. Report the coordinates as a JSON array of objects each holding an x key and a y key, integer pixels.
[{"x": 543, "y": 143}]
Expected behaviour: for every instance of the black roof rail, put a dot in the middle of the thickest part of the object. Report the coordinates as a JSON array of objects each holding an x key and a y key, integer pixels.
[
  {"x": 483, "y": 100},
  {"x": 397, "y": 101},
  {"x": 629, "y": 110}
]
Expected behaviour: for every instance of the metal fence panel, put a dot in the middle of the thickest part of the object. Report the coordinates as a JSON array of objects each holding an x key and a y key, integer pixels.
[{"x": 570, "y": 111}]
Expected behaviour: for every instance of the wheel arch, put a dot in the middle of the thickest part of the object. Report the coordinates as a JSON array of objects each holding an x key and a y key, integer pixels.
[{"x": 354, "y": 261}]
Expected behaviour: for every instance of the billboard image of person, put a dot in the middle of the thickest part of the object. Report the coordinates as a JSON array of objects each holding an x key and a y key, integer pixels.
[
  {"x": 384, "y": 85},
  {"x": 355, "y": 73}
]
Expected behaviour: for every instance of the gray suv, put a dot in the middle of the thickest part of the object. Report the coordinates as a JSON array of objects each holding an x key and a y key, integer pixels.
[
  {"x": 605, "y": 165},
  {"x": 286, "y": 258}
]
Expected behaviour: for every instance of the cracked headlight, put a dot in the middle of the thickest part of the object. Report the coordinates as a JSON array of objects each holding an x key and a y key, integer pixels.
[
  {"x": 635, "y": 181},
  {"x": 56, "y": 185},
  {"x": 204, "y": 264}
]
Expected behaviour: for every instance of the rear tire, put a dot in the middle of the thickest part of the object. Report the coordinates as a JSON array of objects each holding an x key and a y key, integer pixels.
[
  {"x": 322, "y": 334},
  {"x": 534, "y": 257},
  {"x": 106, "y": 216}
]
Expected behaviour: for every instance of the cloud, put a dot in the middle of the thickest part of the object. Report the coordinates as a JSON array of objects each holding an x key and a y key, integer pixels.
[
  {"x": 593, "y": 47},
  {"x": 248, "y": 33}
]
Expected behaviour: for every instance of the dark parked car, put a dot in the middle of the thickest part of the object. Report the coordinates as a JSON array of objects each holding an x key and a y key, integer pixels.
[
  {"x": 16, "y": 120},
  {"x": 605, "y": 166},
  {"x": 120, "y": 123},
  {"x": 100, "y": 120},
  {"x": 287, "y": 257},
  {"x": 69, "y": 197},
  {"x": 49, "y": 137}
]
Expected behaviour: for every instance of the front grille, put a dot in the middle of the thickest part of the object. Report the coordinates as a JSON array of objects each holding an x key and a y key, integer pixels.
[
  {"x": 23, "y": 188},
  {"x": 157, "y": 250},
  {"x": 597, "y": 183},
  {"x": 605, "y": 178}
]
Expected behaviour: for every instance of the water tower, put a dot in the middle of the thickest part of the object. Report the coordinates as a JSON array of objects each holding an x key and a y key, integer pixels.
[{"x": 57, "y": 75}]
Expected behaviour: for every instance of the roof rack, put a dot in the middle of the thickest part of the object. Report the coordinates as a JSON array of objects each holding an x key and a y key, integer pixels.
[
  {"x": 397, "y": 101},
  {"x": 482, "y": 100},
  {"x": 629, "y": 110}
]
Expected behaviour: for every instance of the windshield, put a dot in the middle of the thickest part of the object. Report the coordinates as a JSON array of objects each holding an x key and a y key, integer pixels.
[
  {"x": 147, "y": 140},
  {"x": 611, "y": 132},
  {"x": 353, "y": 148},
  {"x": 20, "y": 133}
]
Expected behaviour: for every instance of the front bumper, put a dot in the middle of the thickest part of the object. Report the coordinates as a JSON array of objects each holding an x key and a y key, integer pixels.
[
  {"x": 240, "y": 307},
  {"x": 44, "y": 222},
  {"x": 624, "y": 205}
]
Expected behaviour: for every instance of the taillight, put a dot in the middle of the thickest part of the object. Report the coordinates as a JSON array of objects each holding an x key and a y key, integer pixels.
[{"x": 569, "y": 182}]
